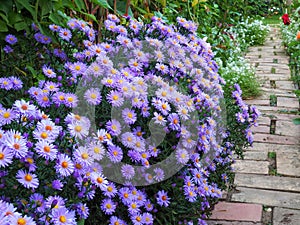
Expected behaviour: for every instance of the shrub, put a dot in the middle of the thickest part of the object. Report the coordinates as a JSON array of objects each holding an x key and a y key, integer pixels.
[{"x": 129, "y": 130}]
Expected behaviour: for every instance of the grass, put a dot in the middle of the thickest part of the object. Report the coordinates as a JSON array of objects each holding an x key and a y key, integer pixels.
[{"x": 274, "y": 19}]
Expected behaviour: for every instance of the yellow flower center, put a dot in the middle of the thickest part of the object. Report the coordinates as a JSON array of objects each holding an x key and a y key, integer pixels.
[
  {"x": 44, "y": 135},
  {"x": 1, "y": 156},
  {"x": 28, "y": 177},
  {"x": 64, "y": 164},
  {"x": 77, "y": 67},
  {"x": 84, "y": 155},
  {"x": 93, "y": 96},
  {"x": 110, "y": 189},
  {"x": 78, "y": 128},
  {"x": 47, "y": 149},
  {"x": 21, "y": 221},
  {"x": 6, "y": 115},
  {"x": 62, "y": 219}
]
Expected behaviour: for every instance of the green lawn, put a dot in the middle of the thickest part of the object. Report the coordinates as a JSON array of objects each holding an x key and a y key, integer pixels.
[{"x": 274, "y": 19}]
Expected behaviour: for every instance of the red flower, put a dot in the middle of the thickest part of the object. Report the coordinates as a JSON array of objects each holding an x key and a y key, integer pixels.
[{"x": 285, "y": 18}]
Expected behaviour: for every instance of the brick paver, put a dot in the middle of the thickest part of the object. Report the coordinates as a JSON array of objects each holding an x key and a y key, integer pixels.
[
  {"x": 262, "y": 179},
  {"x": 237, "y": 212}
]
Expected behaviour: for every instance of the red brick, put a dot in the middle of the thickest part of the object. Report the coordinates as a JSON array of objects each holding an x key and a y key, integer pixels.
[{"x": 237, "y": 212}]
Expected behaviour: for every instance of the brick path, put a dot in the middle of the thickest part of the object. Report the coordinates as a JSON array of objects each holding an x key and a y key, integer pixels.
[{"x": 266, "y": 188}]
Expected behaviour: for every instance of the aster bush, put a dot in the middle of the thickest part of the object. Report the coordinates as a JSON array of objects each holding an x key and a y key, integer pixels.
[{"x": 136, "y": 129}]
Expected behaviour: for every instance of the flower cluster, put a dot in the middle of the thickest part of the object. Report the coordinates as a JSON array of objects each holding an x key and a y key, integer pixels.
[{"x": 141, "y": 108}]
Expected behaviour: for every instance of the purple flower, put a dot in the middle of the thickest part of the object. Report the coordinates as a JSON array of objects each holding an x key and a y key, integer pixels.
[
  {"x": 115, "y": 153},
  {"x": 114, "y": 127},
  {"x": 110, "y": 190},
  {"x": 19, "y": 219},
  {"x": 48, "y": 71},
  {"x": 7, "y": 116},
  {"x": 5, "y": 83},
  {"x": 108, "y": 206},
  {"x": 11, "y": 39},
  {"x": 28, "y": 180},
  {"x": 82, "y": 210},
  {"x": 129, "y": 116},
  {"x": 7, "y": 49},
  {"x": 60, "y": 53},
  {"x": 71, "y": 100},
  {"x": 54, "y": 27},
  {"x": 5, "y": 156},
  {"x": 57, "y": 185},
  {"x": 162, "y": 198},
  {"x": 128, "y": 171},
  {"x": 174, "y": 121},
  {"x": 78, "y": 68},
  {"x": 64, "y": 165},
  {"x": 62, "y": 216},
  {"x": 65, "y": 34},
  {"x": 115, "y": 98}
]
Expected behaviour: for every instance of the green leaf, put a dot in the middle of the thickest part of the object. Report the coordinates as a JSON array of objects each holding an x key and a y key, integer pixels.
[
  {"x": 195, "y": 2},
  {"x": 80, "y": 5},
  {"x": 56, "y": 19},
  {"x": 90, "y": 16},
  {"x": 80, "y": 222},
  {"x": 20, "y": 26},
  {"x": 3, "y": 26},
  {"x": 14, "y": 17},
  {"x": 33, "y": 72},
  {"x": 4, "y": 17},
  {"x": 6, "y": 6},
  {"x": 102, "y": 3},
  {"x": 26, "y": 5},
  {"x": 46, "y": 7},
  {"x": 296, "y": 121}
]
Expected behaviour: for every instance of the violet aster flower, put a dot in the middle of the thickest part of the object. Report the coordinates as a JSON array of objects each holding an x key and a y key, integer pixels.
[
  {"x": 19, "y": 219},
  {"x": 127, "y": 171},
  {"x": 99, "y": 180},
  {"x": 115, "y": 98},
  {"x": 16, "y": 82},
  {"x": 114, "y": 127},
  {"x": 65, "y": 34},
  {"x": 28, "y": 180},
  {"x": 62, "y": 216},
  {"x": 115, "y": 153},
  {"x": 83, "y": 156},
  {"x": 60, "y": 53},
  {"x": 110, "y": 190},
  {"x": 6, "y": 156},
  {"x": 162, "y": 198},
  {"x": 7, "y": 116},
  {"x": 174, "y": 121},
  {"x": 108, "y": 206},
  {"x": 64, "y": 165},
  {"x": 147, "y": 218},
  {"x": 78, "y": 68},
  {"x": 7, "y": 49},
  {"x": 54, "y": 27},
  {"x": 11, "y": 39},
  {"x": 46, "y": 150},
  {"x": 93, "y": 96},
  {"x": 5, "y": 83},
  {"x": 115, "y": 220},
  {"x": 82, "y": 210},
  {"x": 48, "y": 71},
  {"x": 71, "y": 100},
  {"x": 57, "y": 185},
  {"x": 38, "y": 202},
  {"x": 129, "y": 116},
  {"x": 17, "y": 144}
]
